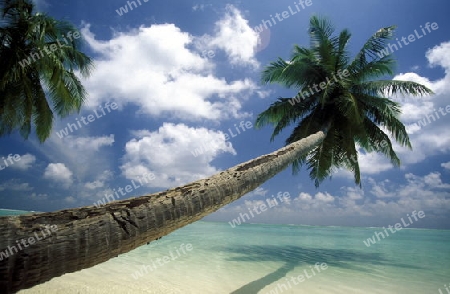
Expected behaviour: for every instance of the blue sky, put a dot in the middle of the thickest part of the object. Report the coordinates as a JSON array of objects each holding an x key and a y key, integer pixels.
[{"x": 172, "y": 77}]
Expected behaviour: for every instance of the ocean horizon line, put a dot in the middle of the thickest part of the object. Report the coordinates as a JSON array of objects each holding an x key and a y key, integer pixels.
[{"x": 248, "y": 224}]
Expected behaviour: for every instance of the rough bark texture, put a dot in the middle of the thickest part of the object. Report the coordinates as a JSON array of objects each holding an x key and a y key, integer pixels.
[{"x": 90, "y": 235}]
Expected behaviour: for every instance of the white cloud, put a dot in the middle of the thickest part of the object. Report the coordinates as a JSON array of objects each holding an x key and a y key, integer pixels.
[
  {"x": 156, "y": 69},
  {"x": 306, "y": 201},
  {"x": 425, "y": 118},
  {"x": 59, "y": 173},
  {"x": 446, "y": 165},
  {"x": 427, "y": 193},
  {"x": 100, "y": 181},
  {"x": 369, "y": 164},
  {"x": 379, "y": 189},
  {"x": 431, "y": 181},
  {"x": 354, "y": 193},
  {"x": 85, "y": 156},
  {"x": 373, "y": 163},
  {"x": 25, "y": 162},
  {"x": 304, "y": 197},
  {"x": 438, "y": 56},
  {"x": 38, "y": 197},
  {"x": 200, "y": 7},
  {"x": 89, "y": 144},
  {"x": 169, "y": 154},
  {"x": 94, "y": 185},
  {"x": 15, "y": 185},
  {"x": 234, "y": 36},
  {"x": 70, "y": 199},
  {"x": 324, "y": 197}
]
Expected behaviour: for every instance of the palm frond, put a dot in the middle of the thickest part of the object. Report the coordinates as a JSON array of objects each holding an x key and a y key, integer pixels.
[
  {"x": 320, "y": 30},
  {"x": 340, "y": 44},
  {"x": 393, "y": 87},
  {"x": 372, "y": 48},
  {"x": 379, "y": 141}
]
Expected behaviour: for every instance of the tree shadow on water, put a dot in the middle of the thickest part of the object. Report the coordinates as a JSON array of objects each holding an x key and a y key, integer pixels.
[{"x": 293, "y": 256}]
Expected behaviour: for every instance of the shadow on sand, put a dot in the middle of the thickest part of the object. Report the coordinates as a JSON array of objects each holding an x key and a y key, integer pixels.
[{"x": 294, "y": 256}]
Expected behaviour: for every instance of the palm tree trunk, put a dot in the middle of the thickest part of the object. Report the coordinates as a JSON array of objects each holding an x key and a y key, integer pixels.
[{"x": 90, "y": 235}]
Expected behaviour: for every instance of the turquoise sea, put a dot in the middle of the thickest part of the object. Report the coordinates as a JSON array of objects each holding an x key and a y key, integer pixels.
[{"x": 208, "y": 257}]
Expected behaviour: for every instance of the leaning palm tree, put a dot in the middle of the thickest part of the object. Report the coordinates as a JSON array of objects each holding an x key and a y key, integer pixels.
[
  {"x": 84, "y": 237},
  {"x": 38, "y": 59}
]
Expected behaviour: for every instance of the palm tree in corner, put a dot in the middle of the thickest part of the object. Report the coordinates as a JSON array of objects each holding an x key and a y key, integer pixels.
[
  {"x": 38, "y": 59},
  {"x": 330, "y": 122}
]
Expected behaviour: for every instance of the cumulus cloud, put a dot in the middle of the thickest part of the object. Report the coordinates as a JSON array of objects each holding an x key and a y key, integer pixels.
[
  {"x": 324, "y": 197},
  {"x": 446, "y": 165},
  {"x": 438, "y": 56},
  {"x": 176, "y": 154},
  {"x": 417, "y": 109},
  {"x": 101, "y": 180},
  {"x": 80, "y": 154},
  {"x": 304, "y": 197},
  {"x": 380, "y": 189},
  {"x": 15, "y": 185},
  {"x": 234, "y": 36},
  {"x": 89, "y": 144},
  {"x": 200, "y": 7},
  {"x": 38, "y": 197},
  {"x": 25, "y": 162},
  {"x": 70, "y": 199},
  {"x": 59, "y": 173},
  {"x": 353, "y": 193},
  {"x": 158, "y": 69},
  {"x": 431, "y": 181}
]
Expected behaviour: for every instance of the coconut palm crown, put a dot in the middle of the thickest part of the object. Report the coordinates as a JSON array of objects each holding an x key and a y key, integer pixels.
[
  {"x": 38, "y": 59},
  {"x": 346, "y": 97}
]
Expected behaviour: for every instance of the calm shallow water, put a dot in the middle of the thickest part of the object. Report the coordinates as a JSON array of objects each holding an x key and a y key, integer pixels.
[
  {"x": 5, "y": 212},
  {"x": 265, "y": 259}
]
